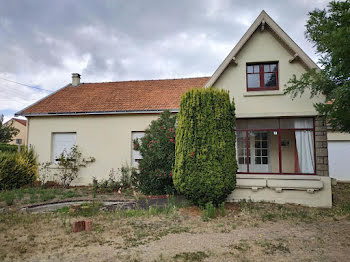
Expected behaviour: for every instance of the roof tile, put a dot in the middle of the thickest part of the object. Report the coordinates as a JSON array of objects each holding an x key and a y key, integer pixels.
[{"x": 116, "y": 96}]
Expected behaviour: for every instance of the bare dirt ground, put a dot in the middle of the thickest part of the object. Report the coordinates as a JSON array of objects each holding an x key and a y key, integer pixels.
[{"x": 247, "y": 232}]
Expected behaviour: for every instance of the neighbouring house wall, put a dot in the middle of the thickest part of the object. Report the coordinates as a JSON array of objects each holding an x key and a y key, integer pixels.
[
  {"x": 263, "y": 47},
  {"x": 337, "y": 136},
  {"x": 22, "y": 133},
  {"x": 105, "y": 137},
  {"x": 338, "y": 155}
]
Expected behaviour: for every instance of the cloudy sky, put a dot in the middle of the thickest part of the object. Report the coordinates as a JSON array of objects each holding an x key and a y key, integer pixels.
[{"x": 43, "y": 42}]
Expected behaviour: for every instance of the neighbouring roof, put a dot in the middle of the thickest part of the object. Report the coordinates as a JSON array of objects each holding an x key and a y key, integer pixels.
[
  {"x": 115, "y": 97},
  {"x": 21, "y": 121},
  {"x": 262, "y": 21}
]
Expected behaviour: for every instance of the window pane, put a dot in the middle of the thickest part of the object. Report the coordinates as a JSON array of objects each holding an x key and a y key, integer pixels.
[
  {"x": 253, "y": 81},
  {"x": 267, "y": 123},
  {"x": 241, "y": 124},
  {"x": 297, "y": 123},
  {"x": 241, "y": 151},
  {"x": 273, "y": 67},
  {"x": 136, "y": 155},
  {"x": 267, "y": 68},
  {"x": 270, "y": 79},
  {"x": 249, "y": 69},
  {"x": 256, "y": 69},
  {"x": 298, "y": 155}
]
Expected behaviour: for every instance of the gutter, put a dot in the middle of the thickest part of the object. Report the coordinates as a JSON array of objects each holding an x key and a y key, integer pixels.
[{"x": 157, "y": 111}]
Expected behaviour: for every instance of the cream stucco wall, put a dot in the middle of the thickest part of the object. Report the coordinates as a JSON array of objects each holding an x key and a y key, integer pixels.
[
  {"x": 105, "y": 137},
  {"x": 263, "y": 47},
  {"x": 338, "y": 136},
  {"x": 22, "y": 132}
]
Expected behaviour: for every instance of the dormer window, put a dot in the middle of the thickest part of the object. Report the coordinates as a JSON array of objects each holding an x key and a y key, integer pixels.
[{"x": 262, "y": 76}]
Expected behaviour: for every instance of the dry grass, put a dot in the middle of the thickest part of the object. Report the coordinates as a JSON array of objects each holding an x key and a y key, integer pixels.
[{"x": 248, "y": 232}]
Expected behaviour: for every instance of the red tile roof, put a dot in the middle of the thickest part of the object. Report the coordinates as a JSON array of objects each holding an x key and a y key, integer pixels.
[
  {"x": 21, "y": 121},
  {"x": 145, "y": 95}
]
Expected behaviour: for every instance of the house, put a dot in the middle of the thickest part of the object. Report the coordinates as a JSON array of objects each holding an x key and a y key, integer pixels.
[
  {"x": 281, "y": 143},
  {"x": 21, "y": 125},
  {"x": 338, "y": 155}
]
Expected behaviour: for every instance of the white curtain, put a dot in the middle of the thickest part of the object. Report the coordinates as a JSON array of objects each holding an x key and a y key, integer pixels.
[{"x": 305, "y": 145}]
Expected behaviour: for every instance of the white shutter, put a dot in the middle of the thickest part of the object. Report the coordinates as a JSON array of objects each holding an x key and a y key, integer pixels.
[
  {"x": 136, "y": 154},
  {"x": 61, "y": 142}
]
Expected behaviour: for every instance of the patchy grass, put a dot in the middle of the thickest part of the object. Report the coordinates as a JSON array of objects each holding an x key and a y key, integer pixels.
[
  {"x": 240, "y": 232},
  {"x": 191, "y": 256},
  {"x": 271, "y": 247},
  {"x": 33, "y": 195}
]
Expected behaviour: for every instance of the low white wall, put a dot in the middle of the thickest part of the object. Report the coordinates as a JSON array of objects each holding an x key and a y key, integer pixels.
[{"x": 312, "y": 191}]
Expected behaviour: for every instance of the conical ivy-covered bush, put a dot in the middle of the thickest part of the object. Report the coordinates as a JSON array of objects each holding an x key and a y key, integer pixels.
[{"x": 205, "y": 155}]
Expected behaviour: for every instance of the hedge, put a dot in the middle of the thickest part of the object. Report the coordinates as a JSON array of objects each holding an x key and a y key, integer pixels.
[
  {"x": 205, "y": 158},
  {"x": 8, "y": 148},
  {"x": 17, "y": 169}
]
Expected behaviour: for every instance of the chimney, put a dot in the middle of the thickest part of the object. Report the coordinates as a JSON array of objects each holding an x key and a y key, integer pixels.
[{"x": 75, "y": 79}]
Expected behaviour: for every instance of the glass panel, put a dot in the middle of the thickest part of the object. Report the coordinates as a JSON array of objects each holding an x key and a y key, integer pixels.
[
  {"x": 273, "y": 67},
  {"x": 241, "y": 124},
  {"x": 297, "y": 123},
  {"x": 256, "y": 69},
  {"x": 253, "y": 80},
  {"x": 266, "y": 68},
  {"x": 242, "y": 151},
  {"x": 265, "y": 153},
  {"x": 267, "y": 123},
  {"x": 249, "y": 69},
  {"x": 270, "y": 79},
  {"x": 297, "y": 151}
]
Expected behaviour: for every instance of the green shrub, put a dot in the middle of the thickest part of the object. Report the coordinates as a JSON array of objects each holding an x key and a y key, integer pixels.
[
  {"x": 205, "y": 158},
  {"x": 157, "y": 148},
  {"x": 113, "y": 184},
  {"x": 8, "y": 148},
  {"x": 209, "y": 211},
  {"x": 17, "y": 169}
]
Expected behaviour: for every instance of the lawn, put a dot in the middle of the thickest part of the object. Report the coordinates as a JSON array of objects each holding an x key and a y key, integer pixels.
[{"x": 240, "y": 232}]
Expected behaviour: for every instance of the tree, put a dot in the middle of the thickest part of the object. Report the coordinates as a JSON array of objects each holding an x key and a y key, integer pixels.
[
  {"x": 205, "y": 156},
  {"x": 329, "y": 31},
  {"x": 7, "y": 131},
  {"x": 157, "y": 149}
]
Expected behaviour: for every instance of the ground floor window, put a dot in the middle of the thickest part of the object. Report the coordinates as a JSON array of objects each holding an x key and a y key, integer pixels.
[
  {"x": 136, "y": 156},
  {"x": 276, "y": 146},
  {"x": 62, "y": 143}
]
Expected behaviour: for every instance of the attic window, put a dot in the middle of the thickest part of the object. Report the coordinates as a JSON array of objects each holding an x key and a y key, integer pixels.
[{"x": 262, "y": 76}]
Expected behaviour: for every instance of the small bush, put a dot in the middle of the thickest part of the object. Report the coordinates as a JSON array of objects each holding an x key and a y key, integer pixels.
[
  {"x": 67, "y": 168},
  {"x": 8, "y": 197},
  {"x": 17, "y": 169},
  {"x": 222, "y": 209},
  {"x": 209, "y": 211},
  {"x": 205, "y": 158},
  {"x": 113, "y": 184},
  {"x": 157, "y": 148}
]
